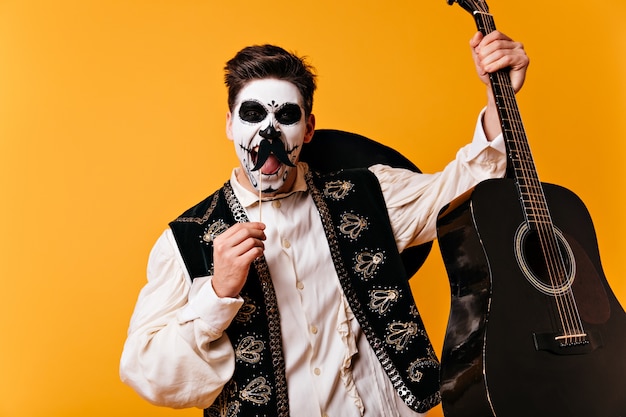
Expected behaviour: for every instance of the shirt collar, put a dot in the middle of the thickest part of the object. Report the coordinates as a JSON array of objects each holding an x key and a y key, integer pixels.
[{"x": 247, "y": 198}]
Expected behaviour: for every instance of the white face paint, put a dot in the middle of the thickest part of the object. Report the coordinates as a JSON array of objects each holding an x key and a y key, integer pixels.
[{"x": 271, "y": 111}]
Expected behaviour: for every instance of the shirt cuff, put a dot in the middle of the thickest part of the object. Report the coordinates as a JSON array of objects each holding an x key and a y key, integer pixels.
[
  {"x": 480, "y": 142},
  {"x": 204, "y": 304}
]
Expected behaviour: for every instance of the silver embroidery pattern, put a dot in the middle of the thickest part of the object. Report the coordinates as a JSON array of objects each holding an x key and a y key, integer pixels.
[
  {"x": 352, "y": 225},
  {"x": 239, "y": 214},
  {"x": 257, "y": 391},
  {"x": 273, "y": 319},
  {"x": 394, "y": 374},
  {"x": 249, "y": 350},
  {"x": 275, "y": 341},
  {"x": 400, "y": 334},
  {"x": 367, "y": 263},
  {"x": 247, "y": 310},
  {"x": 415, "y": 368},
  {"x": 337, "y": 190},
  {"x": 205, "y": 217},
  {"x": 381, "y": 300},
  {"x": 223, "y": 407},
  {"x": 214, "y": 230}
]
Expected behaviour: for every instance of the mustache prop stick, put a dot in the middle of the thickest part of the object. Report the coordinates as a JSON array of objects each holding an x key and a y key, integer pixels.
[{"x": 270, "y": 145}]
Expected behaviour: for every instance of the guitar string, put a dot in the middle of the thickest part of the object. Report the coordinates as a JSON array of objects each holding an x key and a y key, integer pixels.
[
  {"x": 550, "y": 245},
  {"x": 499, "y": 81},
  {"x": 548, "y": 241},
  {"x": 539, "y": 215},
  {"x": 528, "y": 183}
]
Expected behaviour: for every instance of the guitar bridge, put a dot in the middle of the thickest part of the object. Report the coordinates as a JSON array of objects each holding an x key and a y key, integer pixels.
[{"x": 577, "y": 344}]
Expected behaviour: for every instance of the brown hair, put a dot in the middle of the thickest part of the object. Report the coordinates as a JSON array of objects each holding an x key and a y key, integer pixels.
[{"x": 269, "y": 61}]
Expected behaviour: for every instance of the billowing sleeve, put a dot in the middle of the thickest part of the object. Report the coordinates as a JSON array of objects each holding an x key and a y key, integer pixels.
[
  {"x": 176, "y": 352},
  {"x": 414, "y": 200}
]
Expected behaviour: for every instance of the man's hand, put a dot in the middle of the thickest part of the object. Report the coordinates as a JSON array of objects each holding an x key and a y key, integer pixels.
[
  {"x": 491, "y": 53},
  {"x": 233, "y": 252}
]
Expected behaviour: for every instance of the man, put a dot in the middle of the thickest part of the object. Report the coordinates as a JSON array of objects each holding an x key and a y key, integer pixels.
[{"x": 298, "y": 304}]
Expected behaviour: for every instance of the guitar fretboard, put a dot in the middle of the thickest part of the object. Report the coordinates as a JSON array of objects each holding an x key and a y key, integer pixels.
[{"x": 521, "y": 164}]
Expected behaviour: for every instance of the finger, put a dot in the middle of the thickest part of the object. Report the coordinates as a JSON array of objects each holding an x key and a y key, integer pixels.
[
  {"x": 497, "y": 61},
  {"x": 485, "y": 51},
  {"x": 241, "y": 231},
  {"x": 246, "y": 226},
  {"x": 510, "y": 54},
  {"x": 475, "y": 41},
  {"x": 493, "y": 37},
  {"x": 494, "y": 41},
  {"x": 249, "y": 244},
  {"x": 242, "y": 240},
  {"x": 239, "y": 245}
]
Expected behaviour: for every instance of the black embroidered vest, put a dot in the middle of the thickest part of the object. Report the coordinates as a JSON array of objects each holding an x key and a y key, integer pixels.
[{"x": 371, "y": 273}]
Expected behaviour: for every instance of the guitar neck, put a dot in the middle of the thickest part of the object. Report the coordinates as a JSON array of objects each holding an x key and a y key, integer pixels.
[
  {"x": 530, "y": 191},
  {"x": 521, "y": 166}
]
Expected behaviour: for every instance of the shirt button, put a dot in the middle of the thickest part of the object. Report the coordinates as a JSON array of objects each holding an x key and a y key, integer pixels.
[
  {"x": 314, "y": 329},
  {"x": 276, "y": 203},
  {"x": 286, "y": 244},
  {"x": 317, "y": 371},
  {"x": 300, "y": 285}
]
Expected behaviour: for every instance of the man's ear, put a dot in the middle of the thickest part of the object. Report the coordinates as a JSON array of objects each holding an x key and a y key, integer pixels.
[
  {"x": 310, "y": 128},
  {"x": 229, "y": 125}
]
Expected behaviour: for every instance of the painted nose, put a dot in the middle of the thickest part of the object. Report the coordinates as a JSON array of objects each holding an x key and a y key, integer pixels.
[{"x": 270, "y": 133}]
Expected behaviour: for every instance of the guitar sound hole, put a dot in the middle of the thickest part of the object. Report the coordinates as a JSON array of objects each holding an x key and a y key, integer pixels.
[{"x": 541, "y": 266}]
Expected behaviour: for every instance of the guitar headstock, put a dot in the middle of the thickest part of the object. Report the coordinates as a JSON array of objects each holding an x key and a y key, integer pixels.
[{"x": 472, "y": 6}]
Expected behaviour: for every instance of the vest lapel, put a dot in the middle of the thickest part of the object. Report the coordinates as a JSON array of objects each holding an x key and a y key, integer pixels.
[{"x": 375, "y": 283}]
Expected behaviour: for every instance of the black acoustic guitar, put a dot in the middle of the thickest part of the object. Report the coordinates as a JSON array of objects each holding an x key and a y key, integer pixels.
[{"x": 534, "y": 328}]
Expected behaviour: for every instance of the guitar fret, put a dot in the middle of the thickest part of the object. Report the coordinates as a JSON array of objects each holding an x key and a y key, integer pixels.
[
  {"x": 539, "y": 212},
  {"x": 530, "y": 194}
]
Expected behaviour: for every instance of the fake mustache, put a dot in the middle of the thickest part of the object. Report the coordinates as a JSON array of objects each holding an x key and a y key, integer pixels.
[{"x": 270, "y": 146}]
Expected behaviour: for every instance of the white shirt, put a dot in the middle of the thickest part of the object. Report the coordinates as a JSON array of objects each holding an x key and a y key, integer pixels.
[{"x": 178, "y": 355}]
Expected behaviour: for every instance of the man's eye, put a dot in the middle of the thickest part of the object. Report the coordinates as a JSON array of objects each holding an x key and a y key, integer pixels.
[
  {"x": 252, "y": 112},
  {"x": 289, "y": 114}
]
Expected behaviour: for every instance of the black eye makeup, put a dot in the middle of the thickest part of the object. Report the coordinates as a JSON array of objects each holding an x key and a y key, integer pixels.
[
  {"x": 288, "y": 114},
  {"x": 252, "y": 112}
]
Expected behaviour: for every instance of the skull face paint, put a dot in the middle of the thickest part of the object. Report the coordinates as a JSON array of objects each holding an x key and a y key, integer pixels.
[{"x": 268, "y": 128}]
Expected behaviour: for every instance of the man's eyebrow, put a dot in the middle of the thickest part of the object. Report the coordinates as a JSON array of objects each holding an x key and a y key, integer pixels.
[{"x": 251, "y": 102}]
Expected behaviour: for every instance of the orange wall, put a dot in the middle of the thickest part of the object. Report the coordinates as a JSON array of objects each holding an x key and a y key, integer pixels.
[{"x": 112, "y": 122}]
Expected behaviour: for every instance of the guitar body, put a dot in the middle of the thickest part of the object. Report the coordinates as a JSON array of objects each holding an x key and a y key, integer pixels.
[{"x": 499, "y": 356}]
